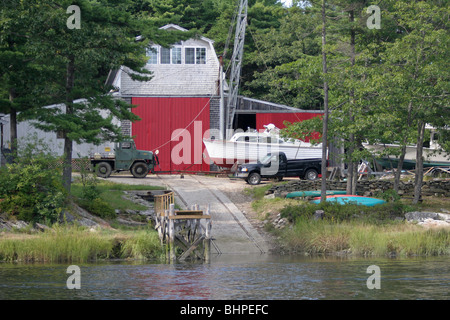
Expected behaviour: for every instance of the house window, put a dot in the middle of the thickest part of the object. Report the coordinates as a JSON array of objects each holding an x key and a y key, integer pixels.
[
  {"x": 165, "y": 56},
  {"x": 189, "y": 56},
  {"x": 176, "y": 55},
  {"x": 200, "y": 55},
  {"x": 195, "y": 55},
  {"x": 152, "y": 54}
]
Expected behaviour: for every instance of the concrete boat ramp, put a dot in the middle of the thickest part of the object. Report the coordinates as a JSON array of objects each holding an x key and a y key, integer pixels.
[{"x": 232, "y": 233}]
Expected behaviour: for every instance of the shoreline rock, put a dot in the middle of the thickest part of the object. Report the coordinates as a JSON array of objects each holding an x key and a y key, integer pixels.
[{"x": 429, "y": 219}]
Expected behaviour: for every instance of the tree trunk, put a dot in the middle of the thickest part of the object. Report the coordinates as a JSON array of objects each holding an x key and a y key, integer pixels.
[
  {"x": 398, "y": 172},
  {"x": 325, "y": 109},
  {"x": 349, "y": 186},
  {"x": 352, "y": 167},
  {"x": 68, "y": 144},
  {"x": 13, "y": 122},
  {"x": 403, "y": 153},
  {"x": 419, "y": 163}
]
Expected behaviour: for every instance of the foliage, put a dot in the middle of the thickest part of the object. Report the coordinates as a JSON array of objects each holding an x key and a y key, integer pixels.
[
  {"x": 103, "y": 198},
  {"x": 90, "y": 197},
  {"x": 389, "y": 195},
  {"x": 89, "y": 182},
  {"x": 31, "y": 188},
  {"x": 98, "y": 207},
  {"x": 335, "y": 212}
]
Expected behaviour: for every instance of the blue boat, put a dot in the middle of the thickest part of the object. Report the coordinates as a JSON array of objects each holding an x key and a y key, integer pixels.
[
  {"x": 313, "y": 193},
  {"x": 352, "y": 199}
]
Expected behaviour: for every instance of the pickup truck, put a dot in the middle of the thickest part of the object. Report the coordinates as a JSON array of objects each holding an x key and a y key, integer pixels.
[{"x": 276, "y": 165}]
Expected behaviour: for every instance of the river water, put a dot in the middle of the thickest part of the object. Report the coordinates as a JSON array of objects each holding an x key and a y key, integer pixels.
[{"x": 266, "y": 277}]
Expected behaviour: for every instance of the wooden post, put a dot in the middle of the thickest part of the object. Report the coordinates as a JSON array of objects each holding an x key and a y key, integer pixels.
[
  {"x": 172, "y": 233},
  {"x": 207, "y": 238}
]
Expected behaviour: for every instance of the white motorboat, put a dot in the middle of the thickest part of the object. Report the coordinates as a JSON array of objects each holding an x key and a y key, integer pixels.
[
  {"x": 244, "y": 147},
  {"x": 433, "y": 155}
]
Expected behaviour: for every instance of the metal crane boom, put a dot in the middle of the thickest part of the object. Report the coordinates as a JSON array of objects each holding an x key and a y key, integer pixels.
[{"x": 236, "y": 63}]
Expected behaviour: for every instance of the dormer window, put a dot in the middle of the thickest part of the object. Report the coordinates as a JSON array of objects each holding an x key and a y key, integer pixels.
[
  {"x": 152, "y": 54},
  {"x": 195, "y": 55},
  {"x": 200, "y": 55},
  {"x": 165, "y": 56},
  {"x": 175, "y": 55}
]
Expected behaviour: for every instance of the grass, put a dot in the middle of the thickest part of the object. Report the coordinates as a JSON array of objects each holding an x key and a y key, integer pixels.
[
  {"x": 63, "y": 243},
  {"x": 257, "y": 192},
  {"x": 352, "y": 229},
  {"x": 358, "y": 238},
  {"x": 112, "y": 193},
  {"x": 73, "y": 243}
]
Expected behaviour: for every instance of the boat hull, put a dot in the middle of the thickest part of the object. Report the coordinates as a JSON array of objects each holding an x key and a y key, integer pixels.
[
  {"x": 430, "y": 156},
  {"x": 227, "y": 153},
  {"x": 313, "y": 193},
  {"x": 352, "y": 199}
]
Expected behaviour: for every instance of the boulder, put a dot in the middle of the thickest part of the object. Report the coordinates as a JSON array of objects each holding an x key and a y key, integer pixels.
[
  {"x": 9, "y": 225},
  {"x": 421, "y": 216}
]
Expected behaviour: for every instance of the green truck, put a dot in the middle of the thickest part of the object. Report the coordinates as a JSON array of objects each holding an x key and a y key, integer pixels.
[{"x": 125, "y": 158}]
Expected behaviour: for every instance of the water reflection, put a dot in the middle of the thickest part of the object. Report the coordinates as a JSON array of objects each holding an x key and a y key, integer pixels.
[{"x": 233, "y": 277}]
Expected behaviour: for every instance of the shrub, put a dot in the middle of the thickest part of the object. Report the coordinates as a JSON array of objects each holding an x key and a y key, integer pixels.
[
  {"x": 99, "y": 207},
  {"x": 89, "y": 181},
  {"x": 90, "y": 196},
  {"x": 338, "y": 212},
  {"x": 31, "y": 188}
]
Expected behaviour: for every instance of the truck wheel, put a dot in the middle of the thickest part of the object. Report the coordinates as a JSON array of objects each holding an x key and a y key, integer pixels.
[
  {"x": 311, "y": 174},
  {"x": 103, "y": 169},
  {"x": 254, "y": 178},
  {"x": 139, "y": 170}
]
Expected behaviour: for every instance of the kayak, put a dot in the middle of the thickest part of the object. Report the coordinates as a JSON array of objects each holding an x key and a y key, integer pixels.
[
  {"x": 345, "y": 199},
  {"x": 313, "y": 193},
  {"x": 340, "y": 195}
]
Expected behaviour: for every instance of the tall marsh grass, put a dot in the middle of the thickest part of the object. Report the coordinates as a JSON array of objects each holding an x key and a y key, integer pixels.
[
  {"x": 78, "y": 244},
  {"x": 401, "y": 238}
]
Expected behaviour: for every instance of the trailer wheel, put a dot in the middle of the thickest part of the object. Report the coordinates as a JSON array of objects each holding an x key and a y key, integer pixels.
[
  {"x": 103, "y": 169},
  {"x": 254, "y": 178},
  {"x": 139, "y": 170},
  {"x": 311, "y": 174}
]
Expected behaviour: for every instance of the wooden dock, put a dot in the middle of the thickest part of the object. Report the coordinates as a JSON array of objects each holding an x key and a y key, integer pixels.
[{"x": 186, "y": 233}]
